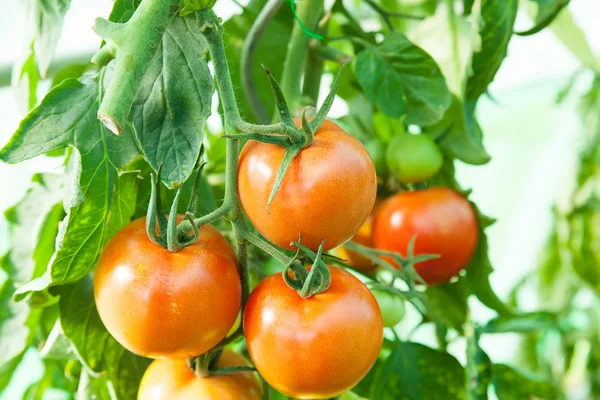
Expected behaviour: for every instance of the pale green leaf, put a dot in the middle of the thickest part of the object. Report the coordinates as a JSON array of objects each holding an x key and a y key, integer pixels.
[
  {"x": 173, "y": 102},
  {"x": 403, "y": 80}
]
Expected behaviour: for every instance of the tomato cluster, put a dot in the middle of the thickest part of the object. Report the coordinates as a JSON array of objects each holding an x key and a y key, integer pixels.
[{"x": 179, "y": 305}]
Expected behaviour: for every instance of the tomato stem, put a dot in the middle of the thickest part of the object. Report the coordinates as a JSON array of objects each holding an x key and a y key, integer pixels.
[
  {"x": 309, "y": 12},
  {"x": 267, "y": 248},
  {"x": 313, "y": 72},
  {"x": 247, "y": 58}
]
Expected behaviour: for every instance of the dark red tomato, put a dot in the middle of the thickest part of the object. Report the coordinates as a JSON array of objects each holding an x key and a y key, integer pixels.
[
  {"x": 313, "y": 348},
  {"x": 327, "y": 192},
  {"x": 444, "y": 223},
  {"x": 174, "y": 380},
  {"x": 167, "y": 305}
]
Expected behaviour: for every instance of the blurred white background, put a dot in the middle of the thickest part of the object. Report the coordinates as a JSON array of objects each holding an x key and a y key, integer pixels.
[{"x": 533, "y": 142}]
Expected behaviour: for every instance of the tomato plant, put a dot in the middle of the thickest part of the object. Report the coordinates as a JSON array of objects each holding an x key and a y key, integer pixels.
[{"x": 201, "y": 146}]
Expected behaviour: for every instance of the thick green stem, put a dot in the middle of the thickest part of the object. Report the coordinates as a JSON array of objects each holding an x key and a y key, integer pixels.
[
  {"x": 247, "y": 59},
  {"x": 134, "y": 44},
  {"x": 309, "y": 12},
  {"x": 313, "y": 74}
]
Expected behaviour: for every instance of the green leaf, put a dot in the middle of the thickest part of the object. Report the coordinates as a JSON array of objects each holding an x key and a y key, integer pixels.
[
  {"x": 351, "y": 396},
  {"x": 46, "y": 19},
  {"x": 53, "y": 379},
  {"x": 447, "y": 304},
  {"x": 573, "y": 37},
  {"x": 522, "y": 323},
  {"x": 91, "y": 388},
  {"x": 364, "y": 387},
  {"x": 25, "y": 80},
  {"x": 462, "y": 136},
  {"x": 96, "y": 348},
  {"x": 584, "y": 240},
  {"x": 123, "y": 208},
  {"x": 510, "y": 383},
  {"x": 74, "y": 71},
  {"x": 270, "y": 51},
  {"x": 449, "y": 40},
  {"x": 496, "y": 29},
  {"x": 547, "y": 11},
  {"x": 67, "y": 116},
  {"x": 414, "y": 371},
  {"x": 402, "y": 79},
  {"x": 17, "y": 329},
  {"x": 33, "y": 225},
  {"x": 7, "y": 370},
  {"x": 123, "y": 10},
  {"x": 173, "y": 102},
  {"x": 477, "y": 278}
]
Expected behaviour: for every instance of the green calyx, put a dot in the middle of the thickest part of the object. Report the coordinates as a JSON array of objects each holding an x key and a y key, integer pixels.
[
  {"x": 297, "y": 138},
  {"x": 164, "y": 231},
  {"x": 308, "y": 283}
]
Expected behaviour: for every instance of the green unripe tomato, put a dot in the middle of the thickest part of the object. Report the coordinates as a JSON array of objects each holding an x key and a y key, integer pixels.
[
  {"x": 413, "y": 158},
  {"x": 392, "y": 308},
  {"x": 377, "y": 152}
]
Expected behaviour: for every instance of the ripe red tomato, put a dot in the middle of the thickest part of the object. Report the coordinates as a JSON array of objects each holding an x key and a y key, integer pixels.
[
  {"x": 444, "y": 223},
  {"x": 327, "y": 192},
  {"x": 167, "y": 305},
  {"x": 313, "y": 348},
  {"x": 174, "y": 380}
]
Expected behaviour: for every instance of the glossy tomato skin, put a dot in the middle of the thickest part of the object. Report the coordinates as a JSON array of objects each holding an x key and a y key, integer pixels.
[
  {"x": 173, "y": 380},
  {"x": 313, "y": 348},
  {"x": 167, "y": 305},
  {"x": 444, "y": 223},
  {"x": 327, "y": 192}
]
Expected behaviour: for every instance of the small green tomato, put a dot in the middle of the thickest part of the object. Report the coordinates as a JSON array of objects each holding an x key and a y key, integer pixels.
[
  {"x": 392, "y": 308},
  {"x": 413, "y": 158}
]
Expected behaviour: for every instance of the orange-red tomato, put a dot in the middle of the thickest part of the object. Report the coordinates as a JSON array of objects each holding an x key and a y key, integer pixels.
[
  {"x": 444, "y": 223},
  {"x": 174, "y": 380},
  {"x": 327, "y": 192},
  {"x": 313, "y": 348},
  {"x": 364, "y": 236},
  {"x": 167, "y": 305}
]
